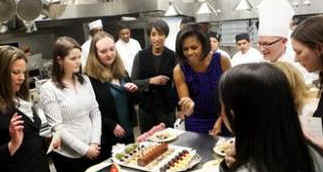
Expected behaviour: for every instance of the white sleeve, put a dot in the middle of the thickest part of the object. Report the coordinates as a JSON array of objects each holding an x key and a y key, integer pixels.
[
  {"x": 95, "y": 115},
  {"x": 138, "y": 45}
]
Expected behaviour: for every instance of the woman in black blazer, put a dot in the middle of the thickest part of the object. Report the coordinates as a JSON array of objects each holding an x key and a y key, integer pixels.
[
  {"x": 20, "y": 143},
  {"x": 114, "y": 92}
]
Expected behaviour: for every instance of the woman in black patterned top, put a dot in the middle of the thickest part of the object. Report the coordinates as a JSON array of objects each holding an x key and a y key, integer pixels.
[{"x": 20, "y": 143}]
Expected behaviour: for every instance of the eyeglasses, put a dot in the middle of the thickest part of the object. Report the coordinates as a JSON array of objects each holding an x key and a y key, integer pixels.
[{"x": 268, "y": 45}]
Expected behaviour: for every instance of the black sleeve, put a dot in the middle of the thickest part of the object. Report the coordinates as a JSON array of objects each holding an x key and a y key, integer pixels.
[
  {"x": 4, "y": 129},
  {"x": 143, "y": 84}
]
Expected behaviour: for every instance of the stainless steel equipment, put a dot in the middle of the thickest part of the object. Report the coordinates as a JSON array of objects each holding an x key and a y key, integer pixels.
[
  {"x": 28, "y": 11},
  {"x": 7, "y": 11}
]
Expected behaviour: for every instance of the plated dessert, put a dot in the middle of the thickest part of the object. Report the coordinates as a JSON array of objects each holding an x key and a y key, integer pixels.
[
  {"x": 148, "y": 156},
  {"x": 223, "y": 145}
]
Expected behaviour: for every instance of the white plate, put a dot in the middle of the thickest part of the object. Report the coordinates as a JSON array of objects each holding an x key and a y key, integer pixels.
[
  {"x": 171, "y": 135},
  {"x": 160, "y": 161},
  {"x": 212, "y": 163},
  {"x": 210, "y": 166},
  {"x": 221, "y": 145},
  {"x": 101, "y": 166}
]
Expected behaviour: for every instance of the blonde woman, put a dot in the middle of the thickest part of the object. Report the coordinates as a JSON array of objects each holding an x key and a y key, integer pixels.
[
  {"x": 114, "y": 92},
  {"x": 306, "y": 101}
]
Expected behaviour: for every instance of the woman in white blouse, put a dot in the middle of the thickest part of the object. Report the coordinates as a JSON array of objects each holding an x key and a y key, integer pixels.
[{"x": 71, "y": 109}]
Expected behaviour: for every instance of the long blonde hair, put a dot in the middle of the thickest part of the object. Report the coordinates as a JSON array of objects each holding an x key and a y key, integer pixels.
[
  {"x": 94, "y": 68},
  {"x": 300, "y": 90}
]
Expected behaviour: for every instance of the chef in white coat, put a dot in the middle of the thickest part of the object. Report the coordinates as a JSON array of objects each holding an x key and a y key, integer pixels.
[
  {"x": 94, "y": 27},
  {"x": 273, "y": 33},
  {"x": 127, "y": 47},
  {"x": 246, "y": 53}
]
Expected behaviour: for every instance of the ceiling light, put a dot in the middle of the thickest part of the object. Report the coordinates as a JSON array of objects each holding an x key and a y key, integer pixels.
[
  {"x": 307, "y": 2},
  {"x": 188, "y": 1},
  {"x": 3, "y": 28},
  {"x": 244, "y": 5},
  {"x": 171, "y": 11},
  {"x": 204, "y": 8},
  {"x": 125, "y": 18}
]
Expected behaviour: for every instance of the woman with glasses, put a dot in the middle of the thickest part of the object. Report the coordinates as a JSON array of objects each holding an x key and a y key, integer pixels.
[
  {"x": 273, "y": 48},
  {"x": 307, "y": 41},
  {"x": 21, "y": 147}
]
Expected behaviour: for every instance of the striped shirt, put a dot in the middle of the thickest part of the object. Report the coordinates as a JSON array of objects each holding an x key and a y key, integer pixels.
[{"x": 74, "y": 113}]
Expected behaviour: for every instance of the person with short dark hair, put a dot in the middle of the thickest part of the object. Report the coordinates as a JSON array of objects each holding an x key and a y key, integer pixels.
[
  {"x": 21, "y": 147},
  {"x": 196, "y": 79},
  {"x": 215, "y": 40},
  {"x": 246, "y": 53},
  {"x": 127, "y": 47},
  {"x": 258, "y": 106},
  {"x": 69, "y": 103},
  {"x": 205, "y": 26},
  {"x": 152, "y": 72},
  {"x": 186, "y": 21}
]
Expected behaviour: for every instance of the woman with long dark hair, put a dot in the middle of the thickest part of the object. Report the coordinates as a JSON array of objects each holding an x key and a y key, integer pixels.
[
  {"x": 71, "y": 109},
  {"x": 258, "y": 106},
  {"x": 307, "y": 41},
  {"x": 21, "y": 147}
]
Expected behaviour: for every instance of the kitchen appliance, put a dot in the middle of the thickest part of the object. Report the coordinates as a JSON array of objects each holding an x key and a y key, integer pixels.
[
  {"x": 7, "y": 11},
  {"x": 28, "y": 11}
]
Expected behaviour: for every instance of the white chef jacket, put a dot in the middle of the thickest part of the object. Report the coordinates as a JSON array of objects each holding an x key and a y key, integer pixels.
[
  {"x": 127, "y": 52},
  {"x": 251, "y": 56},
  {"x": 85, "y": 52},
  {"x": 223, "y": 53}
]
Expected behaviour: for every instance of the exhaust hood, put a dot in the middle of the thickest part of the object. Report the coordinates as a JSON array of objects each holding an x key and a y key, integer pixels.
[{"x": 71, "y": 9}]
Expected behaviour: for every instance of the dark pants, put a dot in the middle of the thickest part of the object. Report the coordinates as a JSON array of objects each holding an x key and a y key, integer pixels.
[
  {"x": 149, "y": 119},
  {"x": 65, "y": 164}
]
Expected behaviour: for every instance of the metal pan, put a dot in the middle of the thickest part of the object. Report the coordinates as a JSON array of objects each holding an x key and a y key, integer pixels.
[
  {"x": 7, "y": 10},
  {"x": 29, "y": 10}
]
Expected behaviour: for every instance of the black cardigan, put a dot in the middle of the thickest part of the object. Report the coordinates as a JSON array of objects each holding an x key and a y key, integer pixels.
[
  {"x": 30, "y": 156},
  {"x": 163, "y": 97},
  {"x": 108, "y": 108}
]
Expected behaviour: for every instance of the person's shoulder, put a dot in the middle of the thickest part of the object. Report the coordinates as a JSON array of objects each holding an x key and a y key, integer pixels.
[
  {"x": 133, "y": 41},
  {"x": 177, "y": 68},
  {"x": 86, "y": 78},
  {"x": 317, "y": 157},
  {"x": 167, "y": 50},
  {"x": 86, "y": 43},
  {"x": 222, "y": 52},
  {"x": 118, "y": 44},
  {"x": 48, "y": 84},
  {"x": 254, "y": 50},
  {"x": 236, "y": 55}
]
